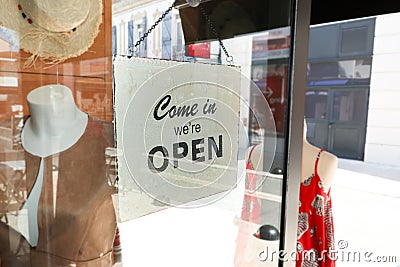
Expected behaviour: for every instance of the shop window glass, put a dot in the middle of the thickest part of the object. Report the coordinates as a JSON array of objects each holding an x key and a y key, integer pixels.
[
  {"x": 63, "y": 88},
  {"x": 268, "y": 66},
  {"x": 130, "y": 34},
  {"x": 316, "y": 104},
  {"x": 139, "y": 29},
  {"x": 166, "y": 37},
  {"x": 354, "y": 40},
  {"x": 349, "y": 105},
  {"x": 343, "y": 72},
  {"x": 114, "y": 40},
  {"x": 179, "y": 47},
  {"x": 143, "y": 48},
  {"x": 325, "y": 70}
]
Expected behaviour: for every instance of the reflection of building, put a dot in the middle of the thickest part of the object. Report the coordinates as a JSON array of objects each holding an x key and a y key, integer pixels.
[
  {"x": 270, "y": 59},
  {"x": 8, "y": 40},
  {"x": 263, "y": 57},
  {"x": 340, "y": 57},
  {"x": 351, "y": 101},
  {"x": 269, "y": 65},
  {"x": 10, "y": 108},
  {"x": 344, "y": 106},
  {"x": 131, "y": 19}
]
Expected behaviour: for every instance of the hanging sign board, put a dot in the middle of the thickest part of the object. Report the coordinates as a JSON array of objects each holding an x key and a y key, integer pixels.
[{"x": 177, "y": 130}]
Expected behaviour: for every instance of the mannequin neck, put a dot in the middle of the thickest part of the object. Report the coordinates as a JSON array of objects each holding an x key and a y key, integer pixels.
[
  {"x": 45, "y": 122},
  {"x": 306, "y": 143},
  {"x": 55, "y": 123}
]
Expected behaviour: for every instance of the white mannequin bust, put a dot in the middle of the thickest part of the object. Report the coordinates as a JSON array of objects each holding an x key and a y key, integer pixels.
[
  {"x": 55, "y": 125},
  {"x": 327, "y": 163}
]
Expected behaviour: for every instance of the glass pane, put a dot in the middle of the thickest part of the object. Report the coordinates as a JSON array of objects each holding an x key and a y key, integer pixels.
[
  {"x": 316, "y": 104},
  {"x": 57, "y": 154},
  {"x": 349, "y": 106},
  {"x": 346, "y": 141},
  {"x": 339, "y": 73},
  {"x": 263, "y": 57},
  {"x": 354, "y": 40},
  {"x": 326, "y": 70},
  {"x": 355, "y": 69},
  {"x": 362, "y": 127}
]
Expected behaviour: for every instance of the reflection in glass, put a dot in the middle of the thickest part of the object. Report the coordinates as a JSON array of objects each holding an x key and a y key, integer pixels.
[
  {"x": 8, "y": 40},
  {"x": 316, "y": 104},
  {"x": 89, "y": 78},
  {"x": 354, "y": 40},
  {"x": 349, "y": 106},
  {"x": 262, "y": 57},
  {"x": 342, "y": 72}
]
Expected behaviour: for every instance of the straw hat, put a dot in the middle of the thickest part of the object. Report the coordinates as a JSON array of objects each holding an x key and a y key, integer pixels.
[{"x": 52, "y": 30}]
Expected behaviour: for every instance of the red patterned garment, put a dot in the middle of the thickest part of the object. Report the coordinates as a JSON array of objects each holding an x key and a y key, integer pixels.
[
  {"x": 251, "y": 209},
  {"x": 315, "y": 236},
  {"x": 247, "y": 245}
]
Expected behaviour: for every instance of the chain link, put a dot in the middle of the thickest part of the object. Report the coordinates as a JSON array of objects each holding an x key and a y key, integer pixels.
[
  {"x": 133, "y": 49},
  {"x": 144, "y": 36},
  {"x": 229, "y": 58}
]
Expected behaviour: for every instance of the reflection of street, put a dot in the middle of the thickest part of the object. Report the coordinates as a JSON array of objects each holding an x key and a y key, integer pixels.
[
  {"x": 12, "y": 187},
  {"x": 197, "y": 237},
  {"x": 12, "y": 167},
  {"x": 111, "y": 165},
  {"x": 362, "y": 204},
  {"x": 366, "y": 201},
  {"x": 13, "y": 191},
  {"x": 92, "y": 101}
]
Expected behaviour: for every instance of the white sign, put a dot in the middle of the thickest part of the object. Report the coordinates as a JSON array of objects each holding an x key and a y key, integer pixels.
[{"x": 177, "y": 128}]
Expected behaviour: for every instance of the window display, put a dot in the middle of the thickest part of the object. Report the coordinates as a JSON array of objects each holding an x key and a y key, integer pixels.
[
  {"x": 250, "y": 239},
  {"x": 315, "y": 230},
  {"x": 57, "y": 165},
  {"x": 180, "y": 137},
  {"x": 66, "y": 184}
]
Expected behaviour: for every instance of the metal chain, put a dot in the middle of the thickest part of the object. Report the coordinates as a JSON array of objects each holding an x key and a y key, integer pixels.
[
  {"x": 144, "y": 36},
  {"x": 229, "y": 58}
]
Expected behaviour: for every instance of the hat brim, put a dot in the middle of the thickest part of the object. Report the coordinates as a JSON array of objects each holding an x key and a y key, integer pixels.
[{"x": 51, "y": 46}]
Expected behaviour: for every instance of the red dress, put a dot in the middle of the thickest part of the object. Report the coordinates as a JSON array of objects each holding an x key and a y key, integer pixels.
[
  {"x": 315, "y": 237},
  {"x": 251, "y": 209},
  {"x": 246, "y": 244}
]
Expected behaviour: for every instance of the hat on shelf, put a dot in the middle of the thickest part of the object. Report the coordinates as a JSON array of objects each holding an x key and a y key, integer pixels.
[{"x": 53, "y": 30}]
